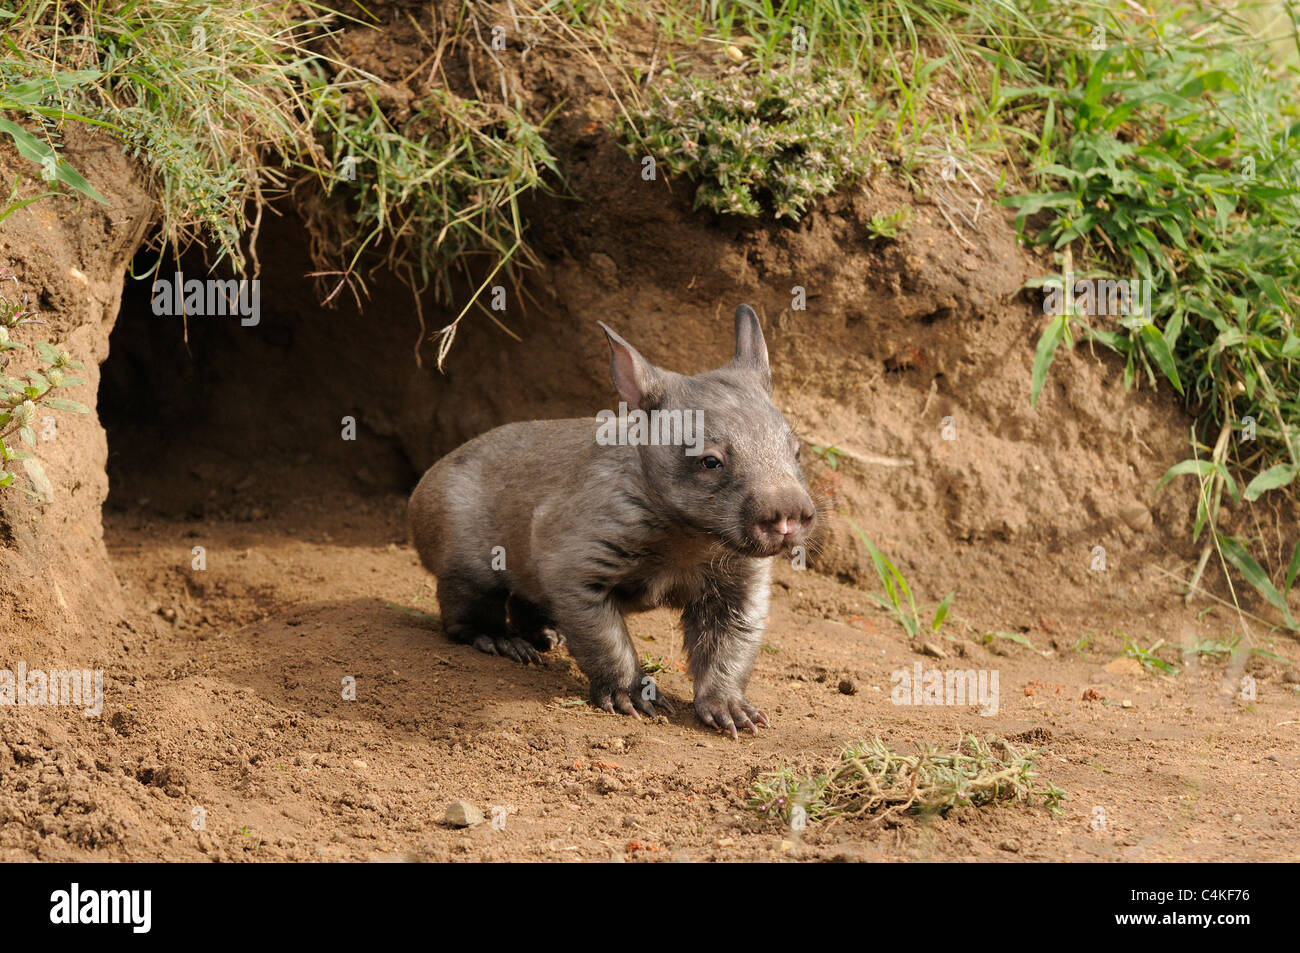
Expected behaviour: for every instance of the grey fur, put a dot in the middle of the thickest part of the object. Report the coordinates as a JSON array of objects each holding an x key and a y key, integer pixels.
[{"x": 592, "y": 531}]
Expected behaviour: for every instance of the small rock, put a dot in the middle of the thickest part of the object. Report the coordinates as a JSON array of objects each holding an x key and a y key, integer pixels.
[
  {"x": 462, "y": 814},
  {"x": 1137, "y": 516},
  {"x": 605, "y": 268},
  {"x": 847, "y": 687},
  {"x": 929, "y": 648},
  {"x": 1126, "y": 704},
  {"x": 1125, "y": 666},
  {"x": 1010, "y": 845},
  {"x": 358, "y": 765},
  {"x": 607, "y": 784},
  {"x": 1236, "y": 818}
]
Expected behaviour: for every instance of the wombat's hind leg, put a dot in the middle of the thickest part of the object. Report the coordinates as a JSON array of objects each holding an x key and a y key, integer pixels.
[
  {"x": 476, "y": 616},
  {"x": 531, "y": 623}
]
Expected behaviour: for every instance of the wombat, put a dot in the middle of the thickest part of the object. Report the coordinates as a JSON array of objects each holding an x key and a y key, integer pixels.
[{"x": 550, "y": 530}]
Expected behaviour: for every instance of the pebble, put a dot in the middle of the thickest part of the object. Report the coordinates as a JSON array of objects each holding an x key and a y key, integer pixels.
[
  {"x": 847, "y": 687},
  {"x": 1137, "y": 516},
  {"x": 463, "y": 814}
]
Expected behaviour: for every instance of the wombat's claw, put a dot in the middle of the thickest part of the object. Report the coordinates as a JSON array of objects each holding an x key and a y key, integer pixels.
[
  {"x": 726, "y": 715},
  {"x": 508, "y": 645},
  {"x": 548, "y": 639},
  {"x": 630, "y": 703}
]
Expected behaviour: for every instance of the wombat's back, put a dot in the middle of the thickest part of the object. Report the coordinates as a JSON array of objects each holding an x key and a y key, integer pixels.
[{"x": 483, "y": 494}]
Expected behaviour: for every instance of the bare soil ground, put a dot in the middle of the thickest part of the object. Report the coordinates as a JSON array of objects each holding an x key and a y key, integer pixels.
[{"x": 235, "y": 706}]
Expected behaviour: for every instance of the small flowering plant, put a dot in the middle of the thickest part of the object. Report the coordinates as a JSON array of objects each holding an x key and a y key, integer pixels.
[
  {"x": 21, "y": 396},
  {"x": 771, "y": 141}
]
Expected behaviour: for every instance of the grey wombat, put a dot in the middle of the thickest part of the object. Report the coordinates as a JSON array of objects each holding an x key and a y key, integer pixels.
[{"x": 560, "y": 526}]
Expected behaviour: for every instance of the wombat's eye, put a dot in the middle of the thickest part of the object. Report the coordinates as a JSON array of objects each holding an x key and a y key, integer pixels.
[{"x": 711, "y": 462}]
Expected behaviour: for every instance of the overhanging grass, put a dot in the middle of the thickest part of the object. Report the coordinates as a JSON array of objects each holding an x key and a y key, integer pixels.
[{"x": 229, "y": 104}]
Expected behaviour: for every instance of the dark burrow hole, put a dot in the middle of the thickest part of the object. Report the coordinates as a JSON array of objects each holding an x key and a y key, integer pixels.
[{"x": 244, "y": 416}]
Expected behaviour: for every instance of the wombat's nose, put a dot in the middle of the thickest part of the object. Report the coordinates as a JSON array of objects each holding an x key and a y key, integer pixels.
[
  {"x": 785, "y": 526},
  {"x": 788, "y": 515}
]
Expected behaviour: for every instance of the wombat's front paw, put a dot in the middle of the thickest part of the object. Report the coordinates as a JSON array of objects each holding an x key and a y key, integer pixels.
[
  {"x": 641, "y": 697},
  {"x": 729, "y": 712}
]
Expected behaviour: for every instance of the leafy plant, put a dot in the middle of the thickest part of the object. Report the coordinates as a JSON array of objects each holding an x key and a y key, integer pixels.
[
  {"x": 13, "y": 203},
  {"x": 899, "y": 601},
  {"x": 1148, "y": 657},
  {"x": 1017, "y": 637},
  {"x": 1211, "y": 648},
  {"x": 32, "y": 98},
  {"x": 1213, "y": 479},
  {"x": 888, "y": 226},
  {"x": 20, "y": 399},
  {"x": 830, "y": 454},
  {"x": 654, "y": 664},
  {"x": 770, "y": 142},
  {"x": 1174, "y": 155},
  {"x": 1178, "y": 161}
]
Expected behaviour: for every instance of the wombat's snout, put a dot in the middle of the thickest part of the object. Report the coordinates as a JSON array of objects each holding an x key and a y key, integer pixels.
[{"x": 783, "y": 518}]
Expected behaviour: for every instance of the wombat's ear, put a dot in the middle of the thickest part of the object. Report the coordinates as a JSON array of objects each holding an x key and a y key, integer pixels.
[
  {"x": 636, "y": 379},
  {"x": 751, "y": 349}
]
